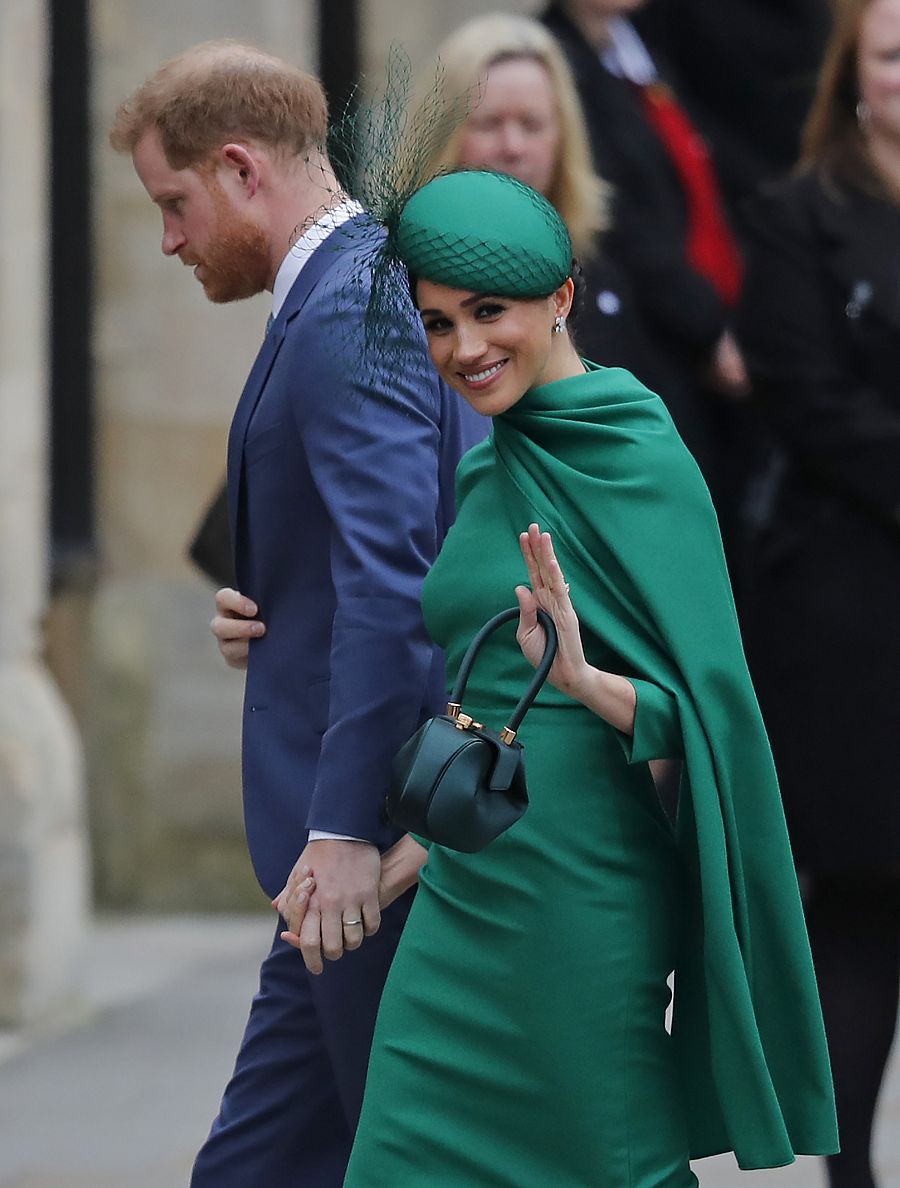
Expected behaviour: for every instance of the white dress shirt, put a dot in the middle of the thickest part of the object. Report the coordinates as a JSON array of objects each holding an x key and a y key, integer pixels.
[
  {"x": 301, "y": 251},
  {"x": 626, "y": 56}
]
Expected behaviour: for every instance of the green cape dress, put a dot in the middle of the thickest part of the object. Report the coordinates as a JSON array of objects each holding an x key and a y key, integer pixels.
[
  {"x": 521, "y": 1037},
  {"x": 599, "y": 460}
]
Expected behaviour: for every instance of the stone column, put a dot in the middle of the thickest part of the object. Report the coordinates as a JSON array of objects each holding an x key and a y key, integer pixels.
[{"x": 43, "y": 862}]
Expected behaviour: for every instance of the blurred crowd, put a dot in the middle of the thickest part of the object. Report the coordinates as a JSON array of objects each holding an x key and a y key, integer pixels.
[
  {"x": 748, "y": 270},
  {"x": 730, "y": 174}
]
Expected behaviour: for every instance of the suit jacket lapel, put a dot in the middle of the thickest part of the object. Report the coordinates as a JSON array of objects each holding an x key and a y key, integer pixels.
[
  {"x": 253, "y": 388},
  {"x": 311, "y": 273}
]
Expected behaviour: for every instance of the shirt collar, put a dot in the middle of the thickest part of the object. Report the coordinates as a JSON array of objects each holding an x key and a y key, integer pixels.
[
  {"x": 626, "y": 56},
  {"x": 301, "y": 251}
]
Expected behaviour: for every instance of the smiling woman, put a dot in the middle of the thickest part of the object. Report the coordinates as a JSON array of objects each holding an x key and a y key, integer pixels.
[
  {"x": 491, "y": 349},
  {"x": 521, "y": 1038}
]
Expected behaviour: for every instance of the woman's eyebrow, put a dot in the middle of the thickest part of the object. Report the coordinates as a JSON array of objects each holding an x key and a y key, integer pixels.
[{"x": 475, "y": 297}]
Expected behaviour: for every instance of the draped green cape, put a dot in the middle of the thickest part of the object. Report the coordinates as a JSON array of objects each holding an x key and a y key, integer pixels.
[{"x": 600, "y": 462}]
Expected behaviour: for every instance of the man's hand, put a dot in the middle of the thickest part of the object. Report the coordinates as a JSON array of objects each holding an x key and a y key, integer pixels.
[
  {"x": 235, "y": 625},
  {"x": 343, "y": 908}
]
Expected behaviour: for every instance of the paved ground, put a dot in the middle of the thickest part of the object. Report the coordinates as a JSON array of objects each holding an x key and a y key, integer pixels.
[{"x": 123, "y": 1099}]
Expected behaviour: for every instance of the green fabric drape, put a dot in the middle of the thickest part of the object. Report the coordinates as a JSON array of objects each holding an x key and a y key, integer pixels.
[{"x": 599, "y": 461}]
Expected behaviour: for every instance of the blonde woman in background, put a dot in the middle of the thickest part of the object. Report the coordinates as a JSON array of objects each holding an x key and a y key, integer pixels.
[{"x": 526, "y": 120}]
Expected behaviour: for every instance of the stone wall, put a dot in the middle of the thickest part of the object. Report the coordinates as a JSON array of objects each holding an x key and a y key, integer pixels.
[
  {"x": 419, "y": 28},
  {"x": 43, "y": 861}
]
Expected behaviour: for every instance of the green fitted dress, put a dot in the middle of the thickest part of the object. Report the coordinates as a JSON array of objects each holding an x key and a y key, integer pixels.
[{"x": 522, "y": 1039}]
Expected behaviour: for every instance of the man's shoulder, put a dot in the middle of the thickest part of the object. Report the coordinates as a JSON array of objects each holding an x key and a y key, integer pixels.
[
  {"x": 351, "y": 326},
  {"x": 354, "y": 251}
]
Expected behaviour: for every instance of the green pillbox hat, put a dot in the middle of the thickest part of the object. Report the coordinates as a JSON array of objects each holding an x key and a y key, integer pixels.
[{"x": 484, "y": 232}]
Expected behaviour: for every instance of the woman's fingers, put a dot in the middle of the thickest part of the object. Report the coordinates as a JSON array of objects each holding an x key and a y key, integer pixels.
[
  {"x": 529, "y": 634},
  {"x": 542, "y": 549},
  {"x": 552, "y": 571},
  {"x": 527, "y": 614},
  {"x": 528, "y": 608},
  {"x": 301, "y": 879},
  {"x": 547, "y": 563},
  {"x": 530, "y": 560},
  {"x": 544, "y": 571},
  {"x": 534, "y": 544},
  {"x": 297, "y": 909},
  {"x": 549, "y": 592}
]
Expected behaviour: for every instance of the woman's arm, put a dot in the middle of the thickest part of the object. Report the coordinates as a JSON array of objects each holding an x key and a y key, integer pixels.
[
  {"x": 400, "y": 866},
  {"x": 608, "y": 695},
  {"x": 645, "y": 715},
  {"x": 612, "y": 697}
]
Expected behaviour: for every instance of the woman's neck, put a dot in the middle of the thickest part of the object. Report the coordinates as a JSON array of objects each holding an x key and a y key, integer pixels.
[
  {"x": 593, "y": 27},
  {"x": 564, "y": 362}
]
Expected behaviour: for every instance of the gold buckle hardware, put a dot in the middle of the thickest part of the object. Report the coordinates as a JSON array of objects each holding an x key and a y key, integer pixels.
[
  {"x": 453, "y": 708},
  {"x": 464, "y": 722},
  {"x": 507, "y": 736}
]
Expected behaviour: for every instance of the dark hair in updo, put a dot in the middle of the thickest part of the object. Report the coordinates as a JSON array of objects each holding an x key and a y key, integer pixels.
[{"x": 580, "y": 284}]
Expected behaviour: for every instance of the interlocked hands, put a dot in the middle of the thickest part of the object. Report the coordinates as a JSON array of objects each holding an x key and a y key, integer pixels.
[
  {"x": 337, "y": 890},
  {"x": 317, "y": 902}
]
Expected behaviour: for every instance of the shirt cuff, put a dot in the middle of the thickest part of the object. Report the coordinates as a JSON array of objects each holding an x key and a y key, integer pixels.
[{"x": 323, "y": 835}]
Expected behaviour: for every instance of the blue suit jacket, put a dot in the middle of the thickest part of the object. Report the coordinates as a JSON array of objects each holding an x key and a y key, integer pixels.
[{"x": 340, "y": 481}]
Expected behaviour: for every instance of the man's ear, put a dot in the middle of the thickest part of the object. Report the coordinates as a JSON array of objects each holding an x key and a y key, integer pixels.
[{"x": 241, "y": 166}]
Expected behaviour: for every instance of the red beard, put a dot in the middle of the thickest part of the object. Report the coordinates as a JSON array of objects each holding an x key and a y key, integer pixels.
[{"x": 237, "y": 262}]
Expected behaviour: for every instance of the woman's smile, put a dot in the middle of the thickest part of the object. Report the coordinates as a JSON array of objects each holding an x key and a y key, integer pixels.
[{"x": 485, "y": 376}]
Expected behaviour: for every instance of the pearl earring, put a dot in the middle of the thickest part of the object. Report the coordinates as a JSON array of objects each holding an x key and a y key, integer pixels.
[{"x": 559, "y": 325}]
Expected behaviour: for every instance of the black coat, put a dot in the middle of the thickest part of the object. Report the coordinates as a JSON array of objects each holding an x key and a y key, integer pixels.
[
  {"x": 821, "y": 332},
  {"x": 608, "y": 328},
  {"x": 747, "y": 71},
  {"x": 681, "y": 311}
]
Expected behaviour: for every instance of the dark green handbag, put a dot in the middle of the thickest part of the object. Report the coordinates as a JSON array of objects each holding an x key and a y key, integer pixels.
[{"x": 457, "y": 783}]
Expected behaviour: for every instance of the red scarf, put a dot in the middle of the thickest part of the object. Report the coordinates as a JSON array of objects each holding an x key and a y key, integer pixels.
[{"x": 712, "y": 249}]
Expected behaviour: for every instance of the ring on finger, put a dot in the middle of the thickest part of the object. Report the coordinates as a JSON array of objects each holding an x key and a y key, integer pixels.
[{"x": 351, "y": 923}]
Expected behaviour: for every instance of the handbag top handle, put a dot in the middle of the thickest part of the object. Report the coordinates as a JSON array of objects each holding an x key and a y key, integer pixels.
[{"x": 508, "y": 734}]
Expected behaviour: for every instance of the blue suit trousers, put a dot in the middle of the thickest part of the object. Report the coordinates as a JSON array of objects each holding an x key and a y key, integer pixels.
[{"x": 289, "y": 1112}]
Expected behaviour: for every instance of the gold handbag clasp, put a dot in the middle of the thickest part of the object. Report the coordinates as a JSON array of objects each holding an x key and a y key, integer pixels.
[{"x": 463, "y": 721}]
